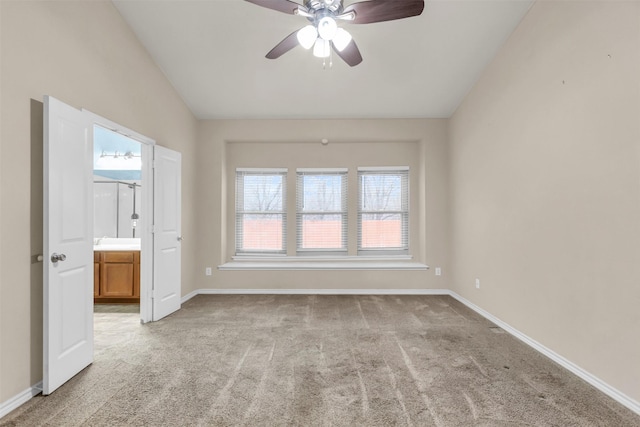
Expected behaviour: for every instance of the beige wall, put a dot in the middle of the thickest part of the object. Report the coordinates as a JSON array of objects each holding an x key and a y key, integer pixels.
[
  {"x": 84, "y": 54},
  {"x": 227, "y": 144},
  {"x": 545, "y": 186},
  {"x": 1, "y": 208},
  {"x": 534, "y": 182}
]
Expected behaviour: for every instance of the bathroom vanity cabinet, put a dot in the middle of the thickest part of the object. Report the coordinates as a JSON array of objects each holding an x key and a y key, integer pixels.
[{"x": 116, "y": 276}]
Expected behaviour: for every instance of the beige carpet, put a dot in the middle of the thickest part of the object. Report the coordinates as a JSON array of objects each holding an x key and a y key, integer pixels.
[{"x": 318, "y": 361}]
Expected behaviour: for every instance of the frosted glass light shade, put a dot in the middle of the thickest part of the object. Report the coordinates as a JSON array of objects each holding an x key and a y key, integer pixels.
[
  {"x": 327, "y": 28},
  {"x": 322, "y": 48},
  {"x": 341, "y": 39},
  {"x": 307, "y": 36}
]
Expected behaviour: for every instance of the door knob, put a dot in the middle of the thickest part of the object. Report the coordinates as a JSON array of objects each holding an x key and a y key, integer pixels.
[{"x": 58, "y": 257}]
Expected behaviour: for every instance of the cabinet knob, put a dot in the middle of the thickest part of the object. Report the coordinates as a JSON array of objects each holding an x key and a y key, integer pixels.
[{"x": 180, "y": 238}]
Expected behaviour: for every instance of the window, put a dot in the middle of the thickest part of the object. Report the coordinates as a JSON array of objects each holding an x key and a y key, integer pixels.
[
  {"x": 383, "y": 210},
  {"x": 321, "y": 206},
  {"x": 321, "y": 212},
  {"x": 261, "y": 211}
]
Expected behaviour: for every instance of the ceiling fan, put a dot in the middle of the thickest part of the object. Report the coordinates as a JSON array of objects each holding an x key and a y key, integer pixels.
[{"x": 323, "y": 33}]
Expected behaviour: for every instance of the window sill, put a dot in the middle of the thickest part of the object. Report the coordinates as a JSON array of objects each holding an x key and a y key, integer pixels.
[{"x": 323, "y": 263}]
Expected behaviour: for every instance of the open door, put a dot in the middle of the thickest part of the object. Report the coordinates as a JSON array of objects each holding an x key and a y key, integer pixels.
[
  {"x": 68, "y": 243},
  {"x": 167, "y": 235},
  {"x": 68, "y": 240}
]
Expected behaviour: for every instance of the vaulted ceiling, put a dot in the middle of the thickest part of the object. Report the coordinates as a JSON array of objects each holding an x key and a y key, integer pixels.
[{"x": 213, "y": 52}]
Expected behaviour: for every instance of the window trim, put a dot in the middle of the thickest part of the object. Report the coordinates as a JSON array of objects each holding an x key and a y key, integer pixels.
[{"x": 360, "y": 262}]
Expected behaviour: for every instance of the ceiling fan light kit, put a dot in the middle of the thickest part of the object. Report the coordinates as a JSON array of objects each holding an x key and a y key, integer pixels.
[
  {"x": 341, "y": 39},
  {"x": 321, "y": 49},
  {"x": 323, "y": 32},
  {"x": 327, "y": 28},
  {"x": 307, "y": 36}
]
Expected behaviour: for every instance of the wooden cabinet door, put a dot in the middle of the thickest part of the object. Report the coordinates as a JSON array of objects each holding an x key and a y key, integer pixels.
[
  {"x": 136, "y": 274},
  {"x": 117, "y": 280},
  {"x": 117, "y": 275},
  {"x": 96, "y": 279},
  {"x": 96, "y": 274}
]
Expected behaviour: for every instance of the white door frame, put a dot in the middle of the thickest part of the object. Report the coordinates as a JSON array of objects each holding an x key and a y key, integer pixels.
[{"x": 146, "y": 249}]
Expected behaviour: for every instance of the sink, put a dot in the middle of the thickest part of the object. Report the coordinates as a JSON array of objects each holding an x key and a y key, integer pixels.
[{"x": 116, "y": 244}]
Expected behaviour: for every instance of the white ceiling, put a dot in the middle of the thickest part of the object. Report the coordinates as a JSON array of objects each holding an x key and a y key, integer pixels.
[{"x": 213, "y": 52}]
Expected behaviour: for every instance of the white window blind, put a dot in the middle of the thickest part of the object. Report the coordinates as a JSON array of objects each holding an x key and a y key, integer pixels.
[
  {"x": 321, "y": 210},
  {"x": 261, "y": 218},
  {"x": 383, "y": 210}
]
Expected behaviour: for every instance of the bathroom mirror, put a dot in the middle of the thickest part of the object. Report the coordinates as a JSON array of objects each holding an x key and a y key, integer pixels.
[{"x": 117, "y": 185}]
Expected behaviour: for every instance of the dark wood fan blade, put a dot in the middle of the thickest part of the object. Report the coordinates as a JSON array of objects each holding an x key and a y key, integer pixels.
[
  {"x": 371, "y": 11},
  {"x": 284, "y": 46},
  {"x": 284, "y": 6},
  {"x": 350, "y": 54}
]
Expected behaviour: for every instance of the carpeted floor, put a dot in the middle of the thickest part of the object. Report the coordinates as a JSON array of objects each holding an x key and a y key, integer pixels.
[{"x": 270, "y": 360}]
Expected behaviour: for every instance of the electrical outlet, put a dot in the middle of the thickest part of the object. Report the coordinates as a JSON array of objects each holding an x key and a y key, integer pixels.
[
  {"x": 207, "y": 271},
  {"x": 477, "y": 283},
  {"x": 438, "y": 271}
]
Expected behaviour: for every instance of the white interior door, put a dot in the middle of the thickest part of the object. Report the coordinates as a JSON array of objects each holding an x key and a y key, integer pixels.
[
  {"x": 68, "y": 243},
  {"x": 167, "y": 232}
]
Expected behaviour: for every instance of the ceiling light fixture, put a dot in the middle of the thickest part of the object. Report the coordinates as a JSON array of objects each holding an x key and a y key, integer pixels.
[
  {"x": 323, "y": 32},
  {"x": 117, "y": 155},
  {"x": 322, "y": 48},
  {"x": 307, "y": 36},
  {"x": 327, "y": 28},
  {"x": 342, "y": 39}
]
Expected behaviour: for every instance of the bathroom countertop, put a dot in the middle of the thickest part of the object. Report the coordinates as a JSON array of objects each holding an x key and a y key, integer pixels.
[
  {"x": 116, "y": 247},
  {"x": 115, "y": 244}
]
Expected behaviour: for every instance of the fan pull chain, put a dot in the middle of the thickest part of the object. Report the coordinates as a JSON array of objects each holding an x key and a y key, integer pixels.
[{"x": 324, "y": 60}]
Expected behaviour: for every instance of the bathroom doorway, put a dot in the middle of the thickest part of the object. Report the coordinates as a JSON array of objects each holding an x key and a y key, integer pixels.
[
  {"x": 118, "y": 220},
  {"x": 68, "y": 238}
]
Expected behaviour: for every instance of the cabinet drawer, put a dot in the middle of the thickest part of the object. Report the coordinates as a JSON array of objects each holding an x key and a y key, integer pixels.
[{"x": 115, "y": 256}]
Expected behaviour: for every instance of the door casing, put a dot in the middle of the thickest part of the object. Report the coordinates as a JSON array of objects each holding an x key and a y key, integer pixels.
[{"x": 146, "y": 249}]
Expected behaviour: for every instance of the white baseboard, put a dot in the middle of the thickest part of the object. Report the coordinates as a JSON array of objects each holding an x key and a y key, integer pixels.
[
  {"x": 615, "y": 394},
  {"x": 190, "y": 295},
  {"x": 20, "y": 399}
]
